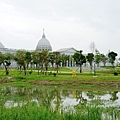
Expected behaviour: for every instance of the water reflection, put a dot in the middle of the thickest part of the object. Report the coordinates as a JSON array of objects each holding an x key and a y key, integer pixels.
[{"x": 55, "y": 98}]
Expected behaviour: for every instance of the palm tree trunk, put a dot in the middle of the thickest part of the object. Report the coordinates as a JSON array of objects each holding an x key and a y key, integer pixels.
[
  {"x": 80, "y": 68},
  {"x": 57, "y": 68},
  {"x": 24, "y": 70},
  {"x": 38, "y": 71},
  {"x": 31, "y": 67},
  {"x": 6, "y": 69},
  {"x": 91, "y": 67}
]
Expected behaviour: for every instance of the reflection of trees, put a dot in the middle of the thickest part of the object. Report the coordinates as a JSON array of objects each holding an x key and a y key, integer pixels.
[
  {"x": 80, "y": 98},
  {"x": 90, "y": 94},
  {"x": 94, "y": 94},
  {"x": 47, "y": 97},
  {"x": 65, "y": 93},
  {"x": 56, "y": 98},
  {"x": 113, "y": 95},
  {"x": 43, "y": 96}
]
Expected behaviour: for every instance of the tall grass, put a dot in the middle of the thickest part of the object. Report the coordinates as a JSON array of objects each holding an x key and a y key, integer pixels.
[{"x": 32, "y": 111}]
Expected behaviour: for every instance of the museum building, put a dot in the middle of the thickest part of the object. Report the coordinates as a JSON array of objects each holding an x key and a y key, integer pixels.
[{"x": 43, "y": 44}]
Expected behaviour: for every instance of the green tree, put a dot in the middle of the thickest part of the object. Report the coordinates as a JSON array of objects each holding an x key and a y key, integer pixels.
[
  {"x": 5, "y": 59},
  {"x": 20, "y": 58},
  {"x": 45, "y": 59},
  {"x": 28, "y": 58},
  {"x": 80, "y": 59},
  {"x": 97, "y": 57},
  {"x": 104, "y": 59},
  {"x": 1, "y": 58},
  {"x": 35, "y": 58},
  {"x": 52, "y": 58},
  {"x": 57, "y": 59},
  {"x": 112, "y": 56},
  {"x": 90, "y": 58},
  {"x": 41, "y": 59},
  {"x": 64, "y": 59}
]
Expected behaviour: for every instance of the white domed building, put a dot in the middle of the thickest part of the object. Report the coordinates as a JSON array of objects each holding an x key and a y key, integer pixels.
[
  {"x": 6, "y": 50},
  {"x": 43, "y": 44}
]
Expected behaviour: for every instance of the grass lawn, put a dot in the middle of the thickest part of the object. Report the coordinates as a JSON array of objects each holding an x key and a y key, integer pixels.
[{"x": 103, "y": 79}]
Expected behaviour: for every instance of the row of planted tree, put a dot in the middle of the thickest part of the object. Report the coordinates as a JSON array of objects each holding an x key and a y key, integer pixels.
[{"x": 26, "y": 60}]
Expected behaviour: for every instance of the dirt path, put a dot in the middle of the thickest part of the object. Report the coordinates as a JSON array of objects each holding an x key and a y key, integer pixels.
[{"x": 73, "y": 83}]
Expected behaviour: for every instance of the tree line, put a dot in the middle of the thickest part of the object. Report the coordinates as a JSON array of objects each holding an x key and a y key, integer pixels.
[{"x": 42, "y": 60}]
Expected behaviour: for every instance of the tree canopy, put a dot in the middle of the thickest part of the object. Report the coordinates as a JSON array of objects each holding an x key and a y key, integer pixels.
[
  {"x": 79, "y": 58},
  {"x": 112, "y": 56}
]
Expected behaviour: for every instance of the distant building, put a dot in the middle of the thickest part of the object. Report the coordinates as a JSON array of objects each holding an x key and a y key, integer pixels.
[
  {"x": 6, "y": 50},
  {"x": 43, "y": 44},
  {"x": 70, "y": 52},
  {"x": 67, "y": 51}
]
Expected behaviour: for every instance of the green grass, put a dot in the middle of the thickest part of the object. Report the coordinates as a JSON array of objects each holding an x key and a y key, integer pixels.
[
  {"x": 104, "y": 80},
  {"x": 32, "y": 111}
]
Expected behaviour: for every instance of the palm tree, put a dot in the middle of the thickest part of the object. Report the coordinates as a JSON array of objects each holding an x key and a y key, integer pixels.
[
  {"x": 90, "y": 58},
  {"x": 57, "y": 59},
  {"x": 52, "y": 58},
  {"x": 35, "y": 59},
  {"x": 20, "y": 58},
  {"x": 104, "y": 59},
  {"x": 64, "y": 59},
  {"x": 45, "y": 58},
  {"x": 112, "y": 56},
  {"x": 41, "y": 59},
  {"x": 97, "y": 57},
  {"x": 5, "y": 59},
  {"x": 80, "y": 59},
  {"x": 28, "y": 58}
]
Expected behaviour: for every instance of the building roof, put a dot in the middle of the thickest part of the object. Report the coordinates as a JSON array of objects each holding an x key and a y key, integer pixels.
[
  {"x": 43, "y": 44},
  {"x": 66, "y": 49},
  {"x": 1, "y": 45}
]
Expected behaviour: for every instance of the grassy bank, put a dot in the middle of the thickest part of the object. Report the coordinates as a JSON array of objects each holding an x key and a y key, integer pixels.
[{"x": 103, "y": 79}]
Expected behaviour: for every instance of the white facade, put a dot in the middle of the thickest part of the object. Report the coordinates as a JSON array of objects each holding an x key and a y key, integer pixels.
[{"x": 67, "y": 51}]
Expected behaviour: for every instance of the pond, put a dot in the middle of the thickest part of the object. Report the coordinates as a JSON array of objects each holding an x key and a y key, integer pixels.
[
  {"x": 56, "y": 98},
  {"x": 26, "y": 102}
]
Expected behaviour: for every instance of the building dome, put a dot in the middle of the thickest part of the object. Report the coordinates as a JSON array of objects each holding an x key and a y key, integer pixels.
[
  {"x": 1, "y": 45},
  {"x": 43, "y": 44}
]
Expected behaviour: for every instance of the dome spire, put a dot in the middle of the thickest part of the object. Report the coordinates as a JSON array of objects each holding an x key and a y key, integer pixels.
[
  {"x": 43, "y": 44},
  {"x": 43, "y": 36}
]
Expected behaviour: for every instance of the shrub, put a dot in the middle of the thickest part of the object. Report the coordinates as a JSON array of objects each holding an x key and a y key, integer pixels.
[{"x": 115, "y": 73}]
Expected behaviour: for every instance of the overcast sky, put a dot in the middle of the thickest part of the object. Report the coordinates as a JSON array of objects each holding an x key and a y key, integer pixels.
[{"x": 67, "y": 23}]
